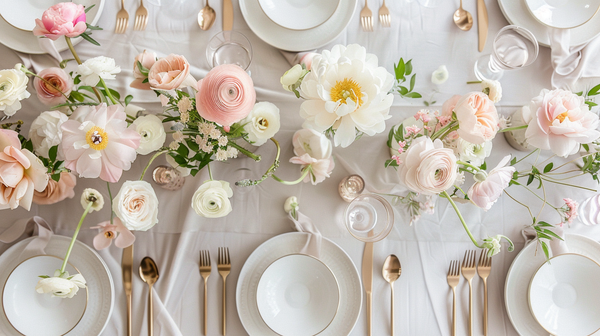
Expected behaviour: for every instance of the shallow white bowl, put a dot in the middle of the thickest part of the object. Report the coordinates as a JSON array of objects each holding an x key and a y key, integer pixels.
[
  {"x": 22, "y": 14},
  {"x": 299, "y": 14},
  {"x": 563, "y": 13},
  {"x": 563, "y": 295},
  {"x": 298, "y": 296}
]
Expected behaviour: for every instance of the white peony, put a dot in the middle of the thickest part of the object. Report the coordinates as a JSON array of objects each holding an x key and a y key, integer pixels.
[
  {"x": 347, "y": 91},
  {"x": 60, "y": 285},
  {"x": 440, "y": 76},
  {"x": 92, "y": 195},
  {"x": 211, "y": 200},
  {"x": 45, "y": 132},
  {"x": 98, "y": 67},
  {"x": 262, "y": 123},
  {"x": 13, "y": 89},
  {"x": 475, "y": 154},
  {"x": 136, "y": 205},
  {"x": 152, "y": 133},
  {"x": 493, "y": 89}
]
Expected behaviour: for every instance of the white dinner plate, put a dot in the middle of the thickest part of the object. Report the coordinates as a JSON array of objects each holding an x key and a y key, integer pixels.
[
  {"x": 99, "y": 282},
  {"x": 24, "y": 41},
  {"x": 292, "y": 243},
  {"x": 519, "y": 276},
  {"x": 298, "y": 295},
  {"x": 516, "y": 13},
  {"x": 564, "y": 14},
  {"x": 22, "y": 14},
  {"x": 296, "y": 40},
  {"x": 299, "y": 14}
]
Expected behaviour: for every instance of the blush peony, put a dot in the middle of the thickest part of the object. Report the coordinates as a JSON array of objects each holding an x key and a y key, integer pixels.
[
  {"x": 486, "y": 190},
  {"x": 477, "y": 118},
  {"x": 62, "y": 19}
]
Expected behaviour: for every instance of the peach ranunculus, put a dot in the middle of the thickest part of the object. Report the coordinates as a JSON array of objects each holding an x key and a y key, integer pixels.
[
  {"x": 313, "y": 149},
  {"x": 62, "y": 19},
  {"x": 487, "y": 189},
  {"x": 426, "y": 167},
  {"x": 560, "y": 121},
  {"x": 109, "y": 232},
  {"x": 170, "y": 73},
  {"x": 147, "y": 60},
  {"x": 21, "y": 173},
  {"x": 226, "y": 95},
  {"x": 53, "y": 86},
  {"x": 56, "y": 191},
  {"x": 477, "y": 117}
]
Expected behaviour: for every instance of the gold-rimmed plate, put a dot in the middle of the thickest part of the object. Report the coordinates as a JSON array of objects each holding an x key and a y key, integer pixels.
[{"x": 299, "y": 14}]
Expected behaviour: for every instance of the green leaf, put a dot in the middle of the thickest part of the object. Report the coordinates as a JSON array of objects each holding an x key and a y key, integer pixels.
[
  {"x": 87, "y": 9},
  {"x": 413, "y": 95},
  {"x": 545, "y": 249},
  {"x": 194, "y": 172},
  {"x": 43, "y": 276},
  {"x": 28, "y": 145},
  {"x": 544, "y": 224},
  {"x": 426, "y": 103},
  {"x": 412, "y": 82},
  {"x": 142, "y": 69},
  {"x": 402, "y": 90},
  {"x": 543, "y": 235},
  {"x": 594, "y": 91},
  {"x": 591, "y": 104},
  {"x": 551, "y": 233},
  {"x": 52, "y": 153},
  {"x": 530, "y": 179},
  {"x": 399, "y": 136},
  {"x": 483, "y": 166},
  {"x": 399, "y": 70},
  {"x": 90, "y": 27},
  {"x": 391, "y": 137},
  {"x": 57, "y": 165},
  {"x": 128, "y": 99},
  {"x": 56, "y": 177},
  {"x": 89, "y": 39},
  {"x": 115, "y": 94},
  {"x": 579, "y": 93},
  {"x": 77, "y": 96},
  {"x": 183, "y": 150},
  {"x": 191, "y": 143},
  {"x": 408, "y": 68},
  {"x": 513, "y": 161},
  {"x": 167, "y": 119},
  {"x": 391, "y": 163},
  {"x": 548, "y": 167},
  {"x": 179, "y": 159},
  {"x": 586, "y": 147}
]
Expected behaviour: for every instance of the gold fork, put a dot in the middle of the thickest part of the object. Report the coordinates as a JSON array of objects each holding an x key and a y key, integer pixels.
[
  {"x": 384, "y": 15},
  {"x": 122, "y": 19},
  {"x": 483, "y": 269},
  {"x": 224, "y": 269},
  {"x": 468, "y": 271},
  {"x": 205, "y": 273},
  {"x": 141, "y": 17},
  {"x": 453, "y": 281},
  {"x": 366, "y": 18}
]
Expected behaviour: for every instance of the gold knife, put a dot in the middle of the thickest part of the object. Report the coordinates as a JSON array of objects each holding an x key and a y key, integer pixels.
[
  {"x": 227, "y": 15},
  {"x": 482, "y": 23},
  {"x": 367, "y": 278},
  {"x": 127, "y": 268}
]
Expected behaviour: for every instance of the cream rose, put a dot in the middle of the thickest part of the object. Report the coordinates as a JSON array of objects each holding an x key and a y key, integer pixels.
[
  {"x": 136, "y": 205},
  {"x": 152, "y": 133},
  {"x": 98, "y": 67},
  {"x": 211, "y": 200},
  {"x": 45, "y": 132},
  {"x": 13, "y": 89},
  {"x": 262, "y": 123}
]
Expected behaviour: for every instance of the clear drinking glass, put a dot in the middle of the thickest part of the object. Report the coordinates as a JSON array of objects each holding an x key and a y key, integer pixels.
[
  {"x": 514, "y": 47},
  {"x": 229, "y": 47},
  {"x": 351, "y": 186},
  {"x": 369, "y": 218}
]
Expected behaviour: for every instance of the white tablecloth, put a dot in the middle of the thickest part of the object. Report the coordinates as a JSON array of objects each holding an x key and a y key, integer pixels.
[{"x": 425, "y": 249}]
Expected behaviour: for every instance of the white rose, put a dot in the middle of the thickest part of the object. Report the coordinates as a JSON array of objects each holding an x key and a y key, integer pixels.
[
  {"x": 60, "y": 286},
  {"x": 136, "y": 205},
  {"x": 13, "y": 89},
  {"x": 45, "y": 132},
  {"x": 98, "y": 67},
  {"x": 262, "y": 123},
  {"x": 152, "y": 133},
  {"x": 440, "y": 76},
  {"x": 290, "y": 204},
  {"x": 493, "y": 89},
  {"x": 292, "y": 76},
  {"x": 183, "y": 171},
  {"x": 92, "y": 195},
  {"x": 475, "y": 154},
  {"x": 211, "y": 200}
]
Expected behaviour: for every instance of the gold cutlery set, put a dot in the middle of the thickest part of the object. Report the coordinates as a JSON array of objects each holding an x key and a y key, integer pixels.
[
  {"x": 224, "y": 268},
  {"x": 207, "y": 15},
  {"x": 464, "y": 21},
  {"x": 366, "y": 17},
  {"x": 141, "y": 18}
]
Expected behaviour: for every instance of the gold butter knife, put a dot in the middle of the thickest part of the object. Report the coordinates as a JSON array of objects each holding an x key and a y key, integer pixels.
[
  {"x": 227, "y": 15},
  {"x": 127, "y": 268},
  {"x": 482, "y": 23},
  {"x": 367, "y": 278}
]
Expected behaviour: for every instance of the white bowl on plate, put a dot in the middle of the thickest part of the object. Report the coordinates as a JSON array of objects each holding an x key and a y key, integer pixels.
[
  {"x": 563, "y": 14},
  {"x": 299, "y": 14},
  {"x": 563, "y": 295},
  {"x": 298, "y": 295}
]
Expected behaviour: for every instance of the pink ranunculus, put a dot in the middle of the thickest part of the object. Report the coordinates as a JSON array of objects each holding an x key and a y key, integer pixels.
[
  {"x": 56, "y": 191},
  {"x": 449, "y": 105},
  {"x": 109, "y": 232},
  {"x": 226, "y": 95},
  {"x": 62, "y": 19},
  {"x": 170, "y": 73},
  {"x": 147, "y": 59},
  {"x": 486, "y": 192},
  {"x": 100, "y": 146},
  {"x": 313, "y": 149},
  {"x": 477, "y": 118},
  {"x": 54, "y": 86},
  {"x": 560, "y": 121}
]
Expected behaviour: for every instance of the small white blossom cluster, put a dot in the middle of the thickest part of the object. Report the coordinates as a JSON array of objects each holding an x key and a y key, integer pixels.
[
  {"x": 185, "y": 106},
  {"x": 210, "y": 140}
]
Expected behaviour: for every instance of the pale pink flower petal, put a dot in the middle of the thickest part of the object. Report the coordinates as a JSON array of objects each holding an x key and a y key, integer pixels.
[{"x": 484, "y": 194}]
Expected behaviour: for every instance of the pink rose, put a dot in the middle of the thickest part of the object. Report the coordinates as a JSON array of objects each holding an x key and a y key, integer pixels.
[
  {"x": 56, "y": 191},
  {"x": 477, "y": 118},
  {"x": 117, "y": 231},
  {"x": 449, "y": 105},
  {"x": 170, "y": 73},
  {"x": 560, "y": 121},
  {"x": 54, "y": 87},
  {"x": 147, "y": 59},
  {"x": 226, "y": 95},
  {"x": 313, "y": 149},
  {"x": 62, "y": 19},
  {"x": 485, "y": 193}
]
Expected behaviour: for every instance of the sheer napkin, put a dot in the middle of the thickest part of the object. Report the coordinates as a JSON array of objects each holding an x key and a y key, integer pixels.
[
  {"x": 304, "y": 224},
  {"x": 31, "y": 226},
  {"x": 572, "y": 63}
]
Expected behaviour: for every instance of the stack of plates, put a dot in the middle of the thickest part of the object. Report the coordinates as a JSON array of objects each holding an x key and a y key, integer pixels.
[{"x": 297, "y": 25}]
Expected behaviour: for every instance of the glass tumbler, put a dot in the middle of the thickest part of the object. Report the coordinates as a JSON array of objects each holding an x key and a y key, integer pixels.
[
  {"x": 369, "y": 218},
  {"x": 229, "y": 47}
]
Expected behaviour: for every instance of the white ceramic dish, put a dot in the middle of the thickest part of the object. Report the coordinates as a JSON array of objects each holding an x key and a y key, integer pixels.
[
  {"x": 563, "y": 295},
  {"x": 24, "y": 41},
  {"x": 99, "y": 281},
  {"x": 299, "y": 14},
  {"x": 296, "y": 40},
  {"x": 291, "y": 243},
  {"x": 520, "y": 273},
  {"x": 516, "y": 13},
  {"x": 298, "y": 295},
  {"x": 22, "y": 14},
  {"x": 564, "y": 14}
]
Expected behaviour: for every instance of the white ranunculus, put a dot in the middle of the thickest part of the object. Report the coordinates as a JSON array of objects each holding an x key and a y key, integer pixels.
[
  {"x": 211, "y": 200},
  {"x": 45, "y": 132},
  {"x": 492, "y": 88},
  {"x": 13, "y": 89},
  {"x": 183, "y": 171},
  {"x": 292, "y": 76},
  {"x": 60, "y": 285},
  {"x": 152, "y": 133},
  {"x": 440, "y": 76},
  {"x": 262, "y": 123},
  {"x": 475, "y": 154},
  {"x": 136, "y": 205},
  {"x": 98, "y": 67},
  {"x": 92, "y": 195}
]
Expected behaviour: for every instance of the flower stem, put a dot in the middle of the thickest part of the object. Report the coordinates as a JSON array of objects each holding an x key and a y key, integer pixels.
[
  {"x": 443, "y": 130},
  {"x": 209, "y": 171},
  {"x": 150, "y": 162},
  {"x": 526, "y": 156},
  {"x": 468, "y": 165},
  {"x": 514, "y": 128},
  {"x": 111, "y": 202},
  {"x": 474, "y": 82},
  {"x": 462, "y": 220},
  {"x": 245, "y": 151},
  {"x": 304, "y": 173},
  {"x": 267, "y": 174},
  {"x": 114, "y": 101},
  {"x": 87, "y": 209}
]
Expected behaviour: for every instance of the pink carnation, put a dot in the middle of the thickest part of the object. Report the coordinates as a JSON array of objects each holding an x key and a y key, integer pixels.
[{"x": 62, "y": 19}]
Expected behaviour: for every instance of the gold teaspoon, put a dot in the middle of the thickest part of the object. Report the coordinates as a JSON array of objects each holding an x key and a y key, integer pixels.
[
  {"x": 149, "y": 273},
  {"x": 462, "y": 18},
  {"x": 206, "y": 17},
  {"x": 391, "y": 272}
]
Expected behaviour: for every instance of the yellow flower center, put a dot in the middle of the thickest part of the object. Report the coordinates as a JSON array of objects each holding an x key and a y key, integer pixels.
[
  {"x": 346, "y": 89},
  {"x": 561, "y": 117},
  {"x": 97, "y": 138}
]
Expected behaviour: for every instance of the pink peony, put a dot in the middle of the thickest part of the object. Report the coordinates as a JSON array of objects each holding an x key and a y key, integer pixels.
[
  {"x": 560, "y": 121},
  {"x": 62, "y": 19},
  {"x": 448, "y": 106},
  {"x": 100, "y": 146},
  {"x": 56, "y": 191},
  {"x": 54, "y": 86},
  {"x": 147, "y": 59},
  {"x": 313, "y": 149},
  {"x": 226, "y": 95},
  {"x": 117, "y": 231},
  {"x": 486, "y": 192},
  {"x": 477, "y": 118},
  {"x": 170, "y": 73}
]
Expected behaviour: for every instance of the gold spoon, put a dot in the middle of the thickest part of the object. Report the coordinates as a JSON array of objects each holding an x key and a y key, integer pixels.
[
  {"x": 391, "y": 272},
  {"x": 149, "y": 273},
  {"x": 206, "y": 17},
  {"x": 463, "y": 19}
]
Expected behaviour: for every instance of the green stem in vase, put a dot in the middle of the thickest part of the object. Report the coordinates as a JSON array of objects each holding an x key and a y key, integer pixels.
[
  {"x": 268, "y": 173},
  {"x": 209, "y": 171},
  {"x": 150, "y": 162},
  {"x": 245, "y": 151},
  {"x": 462, "y": 220},
  {"x": 514, "y": 128},
  {"x": 305, "y": 172},
  {"x": 87, "y": 210}
]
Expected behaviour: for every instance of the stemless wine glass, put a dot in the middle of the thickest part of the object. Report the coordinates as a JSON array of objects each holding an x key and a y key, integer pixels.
[
  {"x": 514, "y": 47},
  {"x": 229, "y": 47},
  {"x": 369, "y": 218}
]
